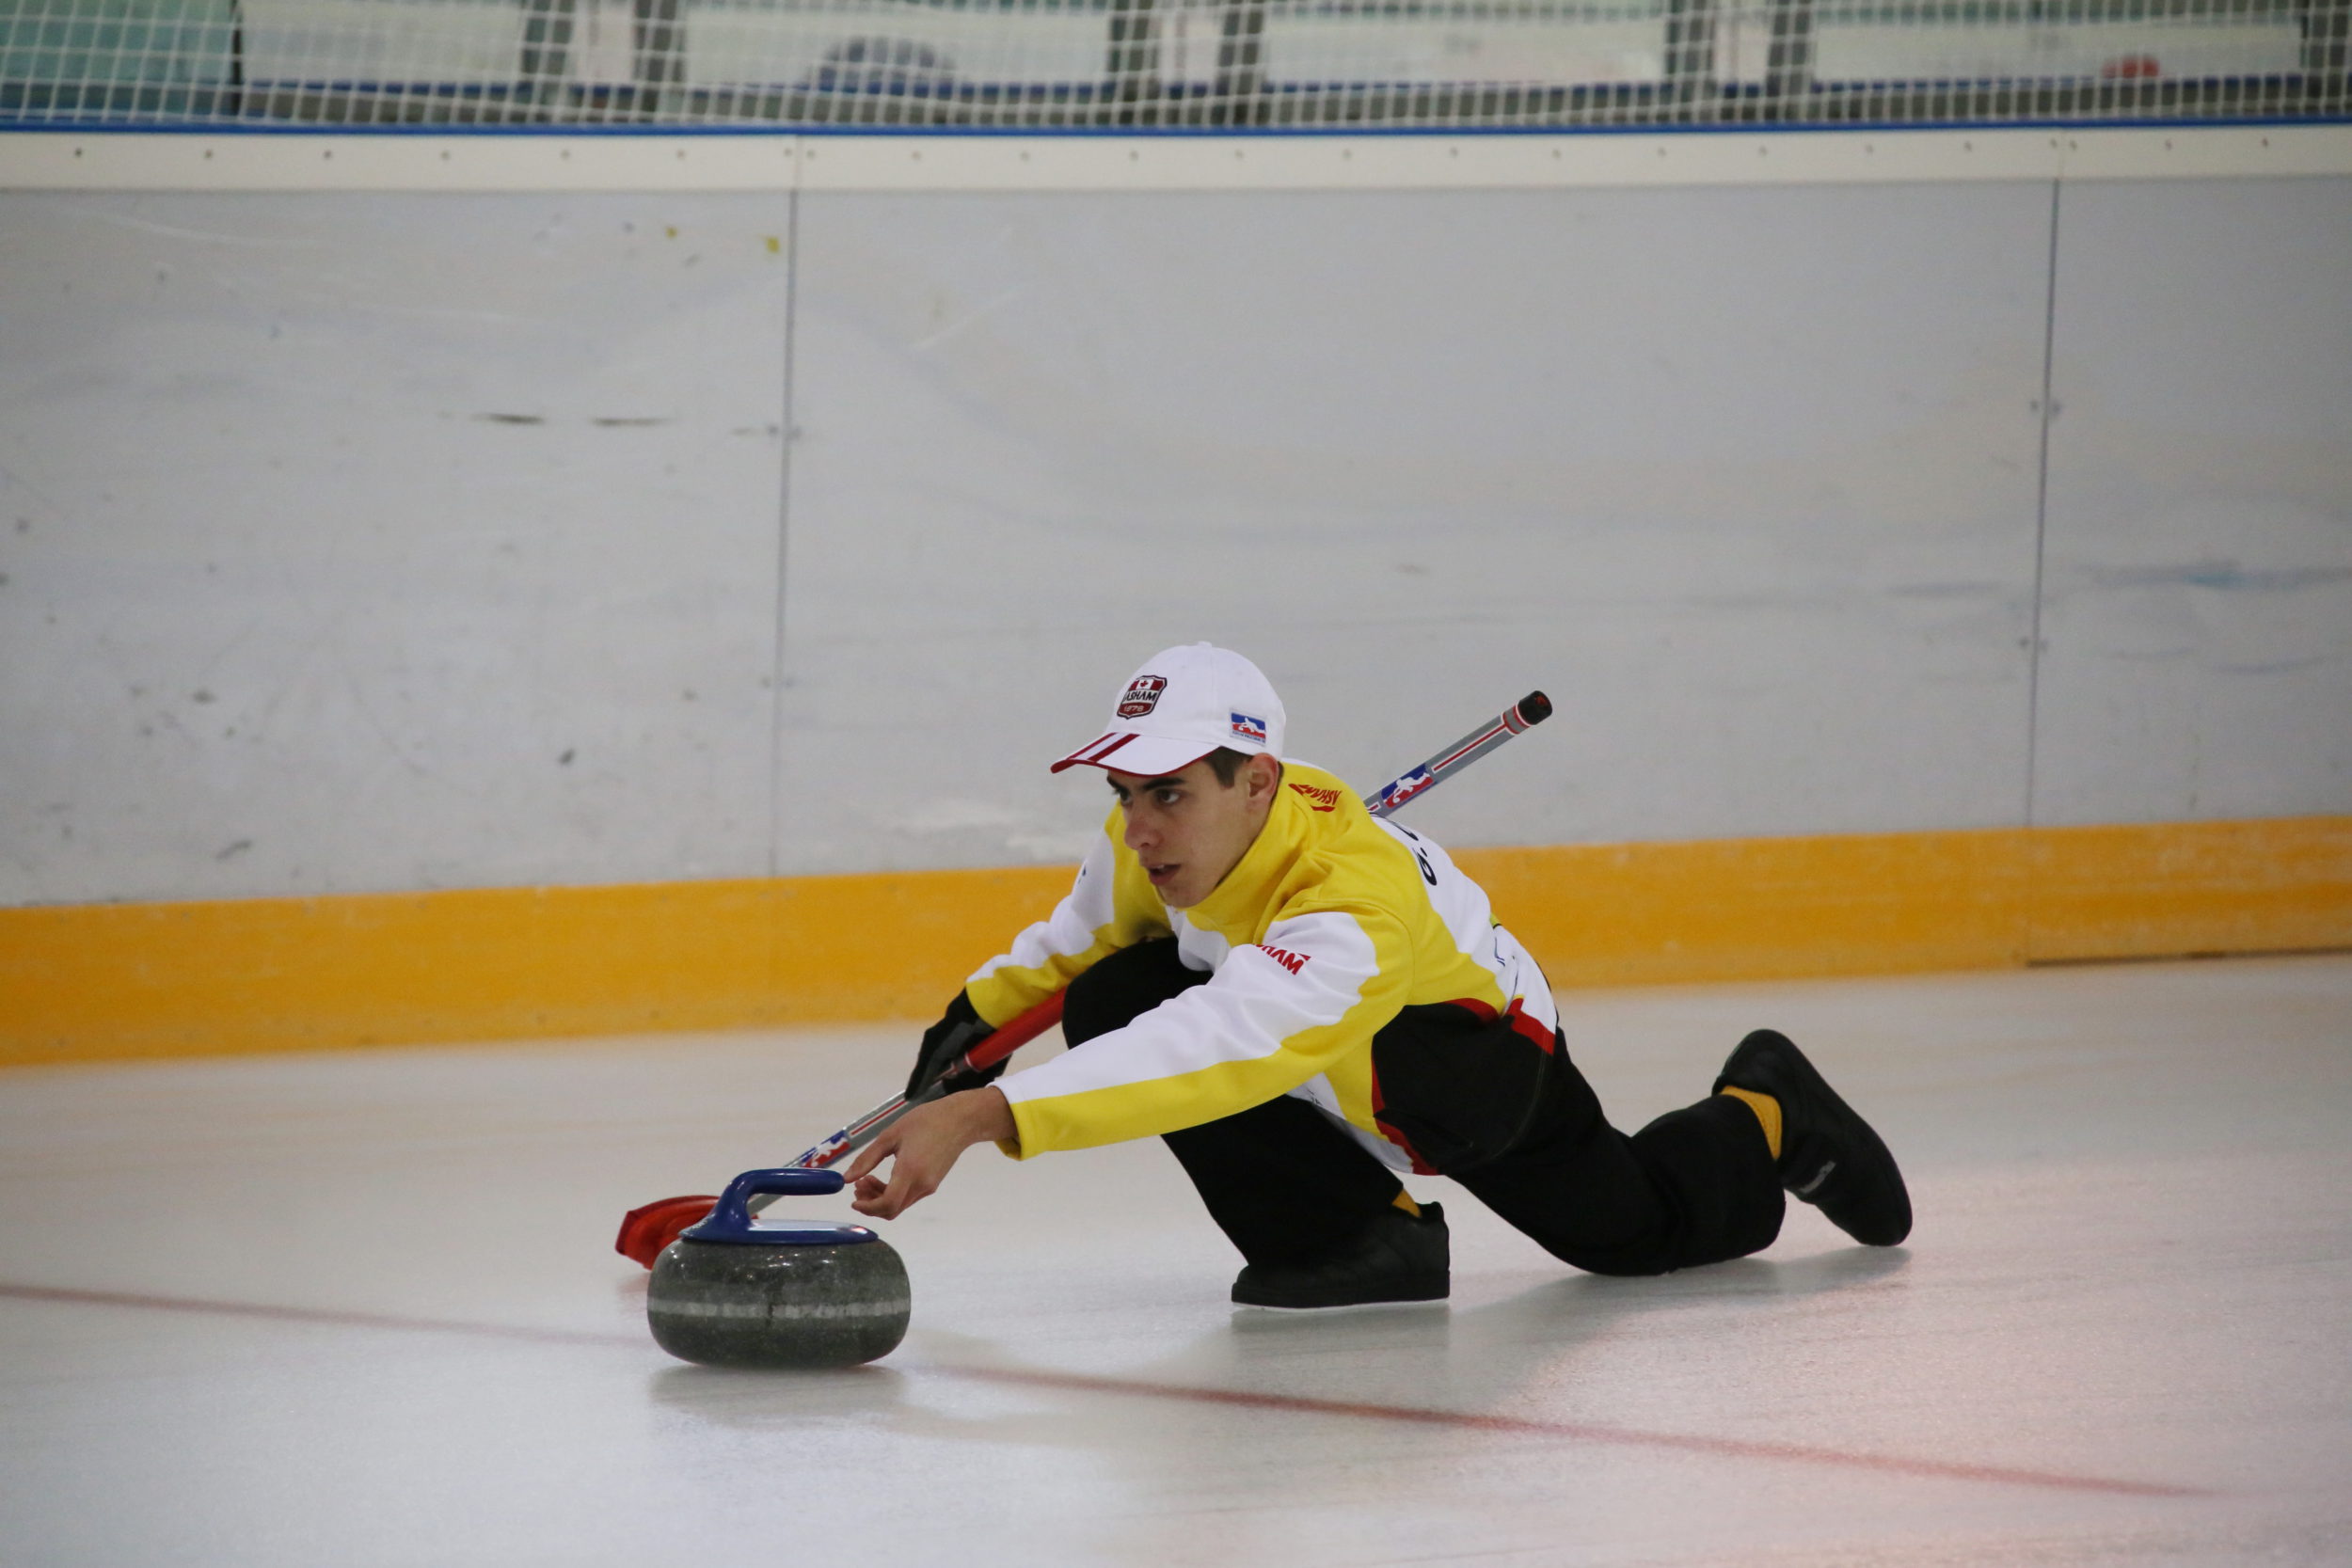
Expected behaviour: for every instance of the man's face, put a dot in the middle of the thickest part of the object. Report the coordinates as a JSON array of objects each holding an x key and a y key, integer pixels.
[{"x": 1188, "y": 830}]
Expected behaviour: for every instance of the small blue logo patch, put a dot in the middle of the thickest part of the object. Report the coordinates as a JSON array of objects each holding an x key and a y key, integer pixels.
[
  {"x": 1404, "y": 789},
  {"x": 1246, "y": 728}
]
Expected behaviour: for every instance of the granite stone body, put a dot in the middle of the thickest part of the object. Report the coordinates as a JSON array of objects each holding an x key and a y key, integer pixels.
[{"x": 823, "y": 1305}]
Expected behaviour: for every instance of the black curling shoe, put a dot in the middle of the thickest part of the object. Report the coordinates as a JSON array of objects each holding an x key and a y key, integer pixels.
[
  {"x": 1828, "y": 1155},
  {"x": 1395, "y": 1258}
]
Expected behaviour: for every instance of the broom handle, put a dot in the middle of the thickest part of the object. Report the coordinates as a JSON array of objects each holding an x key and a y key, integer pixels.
[{"x": 1519, "y": 717}]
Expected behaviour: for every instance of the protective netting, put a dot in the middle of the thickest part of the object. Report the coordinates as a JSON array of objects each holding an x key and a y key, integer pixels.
[{"x": 1143, "y": 63}]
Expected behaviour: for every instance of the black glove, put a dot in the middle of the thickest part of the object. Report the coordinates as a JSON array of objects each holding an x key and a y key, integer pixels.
[{"x": 947, "y": 1039}]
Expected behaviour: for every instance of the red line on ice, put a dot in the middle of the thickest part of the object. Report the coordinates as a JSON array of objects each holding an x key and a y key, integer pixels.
[
  {"x": 331, "y": 1317},
  {"x": 1584, "y": 1432},
  {"x": 1581, "y": 1431}
]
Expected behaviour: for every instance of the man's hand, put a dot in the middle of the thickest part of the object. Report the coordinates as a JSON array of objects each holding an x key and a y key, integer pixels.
[{"x": 926, "y": 1143}]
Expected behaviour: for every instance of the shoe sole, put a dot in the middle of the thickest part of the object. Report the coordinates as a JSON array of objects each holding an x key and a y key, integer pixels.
[
  {"x": 1433, "y": 1293},
  {"x": 1344, "y": 1306}
]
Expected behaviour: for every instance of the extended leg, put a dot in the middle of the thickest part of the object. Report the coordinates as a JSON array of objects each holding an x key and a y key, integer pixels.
[
  {"x": 1518, "y": 1125},
  {"x": 1696, "y": 1186}
]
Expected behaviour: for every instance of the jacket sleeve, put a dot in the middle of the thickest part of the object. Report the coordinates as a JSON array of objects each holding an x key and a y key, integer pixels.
[
  {"x": 1272, "y": 1016},
  {"x": 1109, "y": 907}
]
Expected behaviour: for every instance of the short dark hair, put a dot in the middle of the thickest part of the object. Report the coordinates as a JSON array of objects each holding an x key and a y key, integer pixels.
[{"x": 1226, "y": 764}]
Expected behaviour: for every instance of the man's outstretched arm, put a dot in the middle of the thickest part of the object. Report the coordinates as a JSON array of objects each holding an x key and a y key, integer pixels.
[{"x": 923, "y": 1146}]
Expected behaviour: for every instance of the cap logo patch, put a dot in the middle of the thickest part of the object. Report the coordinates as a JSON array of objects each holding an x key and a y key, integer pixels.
[
  {"x": 1143, "y": 695},
  {"x": 1246, "y": 728}
]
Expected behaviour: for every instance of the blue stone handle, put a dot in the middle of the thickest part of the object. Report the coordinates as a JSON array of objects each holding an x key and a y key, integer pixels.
[
  {"x": 730, "y": 1219},
  {"x": 734, "y": 1205}
]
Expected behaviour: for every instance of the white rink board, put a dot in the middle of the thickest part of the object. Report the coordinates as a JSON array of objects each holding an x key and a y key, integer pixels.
[
  {"x": 1752, "y": 503},
  {"x": 1746, "y": 478},
  {"x": 366, "y": 542},
  {"x": 2199, "y": 615}
]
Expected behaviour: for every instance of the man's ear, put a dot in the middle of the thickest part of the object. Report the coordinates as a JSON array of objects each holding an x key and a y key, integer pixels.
[{"x": 1266, "y": 775}]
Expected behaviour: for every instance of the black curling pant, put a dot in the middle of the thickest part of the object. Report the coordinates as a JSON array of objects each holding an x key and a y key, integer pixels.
[{"x": 1479, "y": 1102}]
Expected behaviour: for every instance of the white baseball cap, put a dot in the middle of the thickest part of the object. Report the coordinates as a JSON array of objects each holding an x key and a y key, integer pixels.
[{"x": 1183, "y": 703}]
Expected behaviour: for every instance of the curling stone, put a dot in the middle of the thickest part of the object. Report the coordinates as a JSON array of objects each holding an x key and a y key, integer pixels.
[{"x": 738, "y": 1290}]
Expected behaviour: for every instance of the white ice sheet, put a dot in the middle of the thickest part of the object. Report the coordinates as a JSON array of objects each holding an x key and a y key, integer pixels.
[{"x": 358, "y": 1309}]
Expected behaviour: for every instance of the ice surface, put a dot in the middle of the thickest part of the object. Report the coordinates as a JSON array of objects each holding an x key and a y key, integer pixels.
[{"x": 361, "y": 1308}]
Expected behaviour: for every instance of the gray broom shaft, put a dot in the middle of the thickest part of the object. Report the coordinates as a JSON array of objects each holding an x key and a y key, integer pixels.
[{"x": 1521, "y": 716}]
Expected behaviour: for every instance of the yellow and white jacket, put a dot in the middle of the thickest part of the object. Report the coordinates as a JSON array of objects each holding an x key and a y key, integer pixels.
[{"x": 1332, "y": 922}]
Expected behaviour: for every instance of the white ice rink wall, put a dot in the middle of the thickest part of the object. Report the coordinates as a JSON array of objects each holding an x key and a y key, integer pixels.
[{"x": 360, "y": 540}]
